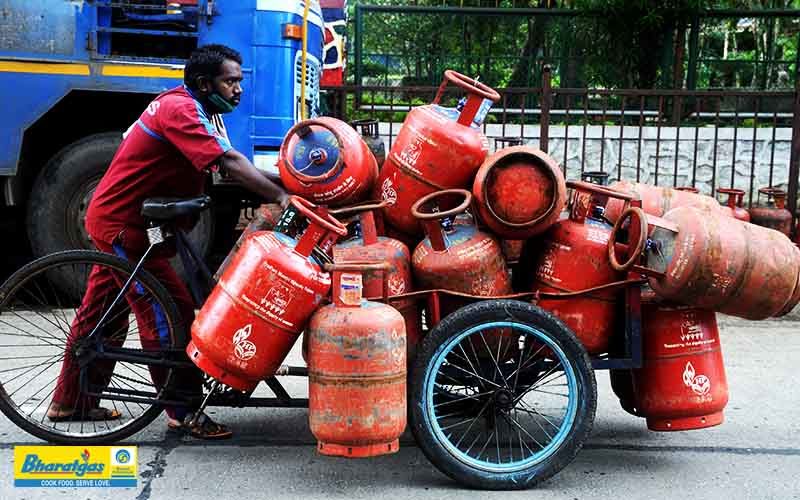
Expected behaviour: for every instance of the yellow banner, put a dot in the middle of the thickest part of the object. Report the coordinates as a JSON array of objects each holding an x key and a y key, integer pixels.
[{"x": 75, "y": 466}]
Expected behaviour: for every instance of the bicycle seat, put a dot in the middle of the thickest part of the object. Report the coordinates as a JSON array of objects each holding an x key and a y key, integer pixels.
[{"x": 164, "y": 209}]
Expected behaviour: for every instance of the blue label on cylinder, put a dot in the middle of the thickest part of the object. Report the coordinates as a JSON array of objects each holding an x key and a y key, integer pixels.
[{"x": 316, "y": 153}]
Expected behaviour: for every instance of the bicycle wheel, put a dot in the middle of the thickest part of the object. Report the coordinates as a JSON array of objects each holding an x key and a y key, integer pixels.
[
  {"x": 503, "y": 395},
  {"x": 41, "y": 325}
]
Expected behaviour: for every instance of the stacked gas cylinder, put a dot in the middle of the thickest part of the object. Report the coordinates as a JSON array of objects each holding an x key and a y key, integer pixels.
[{"x": 441, "y": 213}]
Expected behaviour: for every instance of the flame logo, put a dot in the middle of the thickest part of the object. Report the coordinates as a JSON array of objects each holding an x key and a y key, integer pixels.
[
  {"x": 85, "y": 455},
  {"x": 699, "y": 384},
  {"x": 243, "y": 348},
  {"x": 242, "y": 333},
  {"x": 388, "y": 192}
]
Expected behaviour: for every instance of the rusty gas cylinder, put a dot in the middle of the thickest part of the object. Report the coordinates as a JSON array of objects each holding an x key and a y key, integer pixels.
[
  {"x": 356, "y": 369},
  {"x": 369, "y": 245},
  {"x": 573, "y": 256},
  {"x": 456, "y": 257},
  {"x": 436, "y": 148},
  {"x": 265, "y": 218},
  {"x": 711, "y": 261},
  {"x": 657, "y": 200},
  {"x": 262, "y": 302},
  {"x": 368, "y": 128},
  {"x": 733, "y": 205},
  {"x": 519, "y": 192},
  {"x": 326, "y": 161},
  {"x": 681, "y": 384},
  {"x": 774, "y": 215}
]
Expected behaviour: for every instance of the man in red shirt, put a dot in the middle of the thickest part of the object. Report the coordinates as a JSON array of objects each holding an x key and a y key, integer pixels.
[{"x": 168, "y": 152}]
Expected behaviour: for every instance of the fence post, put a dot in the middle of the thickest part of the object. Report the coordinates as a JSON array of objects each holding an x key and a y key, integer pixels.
[
  {"x": 544, "y": 120},
  {"x": 794, "y": 159}
]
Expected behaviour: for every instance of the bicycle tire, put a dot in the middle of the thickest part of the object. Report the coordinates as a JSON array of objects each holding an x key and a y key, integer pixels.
[
  {"x": 449, "y": 384},
  {"x": 31, "y": 291}
]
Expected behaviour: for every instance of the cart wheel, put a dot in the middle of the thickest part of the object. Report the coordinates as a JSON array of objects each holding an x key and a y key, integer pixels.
[{"x": 507, "y": 413}]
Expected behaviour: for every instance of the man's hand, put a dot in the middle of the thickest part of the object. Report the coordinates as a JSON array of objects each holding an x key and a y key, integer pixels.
[{"x": 245, "y": 173}]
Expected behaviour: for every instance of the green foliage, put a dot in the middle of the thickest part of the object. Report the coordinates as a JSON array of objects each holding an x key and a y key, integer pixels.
[{"x": 607, "y": 43}]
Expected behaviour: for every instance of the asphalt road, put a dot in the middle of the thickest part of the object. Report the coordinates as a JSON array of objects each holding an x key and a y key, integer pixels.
[{"x": 755, "y": 454}]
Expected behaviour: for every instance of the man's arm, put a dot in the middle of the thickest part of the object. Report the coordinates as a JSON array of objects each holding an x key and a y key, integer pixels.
[{"x": 245, "y": 173}]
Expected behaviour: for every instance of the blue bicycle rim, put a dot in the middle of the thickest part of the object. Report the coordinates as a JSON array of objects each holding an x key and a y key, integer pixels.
[{"x": 430, "y": 417}]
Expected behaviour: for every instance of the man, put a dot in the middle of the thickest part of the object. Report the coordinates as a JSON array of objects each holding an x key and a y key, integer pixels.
[{"x": 168, "y": 152}]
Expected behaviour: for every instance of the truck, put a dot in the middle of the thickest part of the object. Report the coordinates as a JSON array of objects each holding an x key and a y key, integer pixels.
[{"x": 77, "y": 73}]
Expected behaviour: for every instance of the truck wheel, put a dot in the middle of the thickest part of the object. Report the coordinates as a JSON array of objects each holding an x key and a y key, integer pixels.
[{"x": 63, "y": 189}]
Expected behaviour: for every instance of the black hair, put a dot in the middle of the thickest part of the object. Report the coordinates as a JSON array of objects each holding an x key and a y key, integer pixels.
[{"x": 207, "y": 61}]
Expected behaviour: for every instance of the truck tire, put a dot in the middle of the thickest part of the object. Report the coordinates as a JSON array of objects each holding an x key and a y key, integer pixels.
[{"x": 63, "y": 189}]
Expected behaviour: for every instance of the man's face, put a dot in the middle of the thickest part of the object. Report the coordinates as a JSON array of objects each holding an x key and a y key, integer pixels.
[{"x": 228, "y": 83}]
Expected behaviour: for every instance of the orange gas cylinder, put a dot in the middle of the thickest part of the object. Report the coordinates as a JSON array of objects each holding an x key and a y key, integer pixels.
[
  {"x": 519, "y": 192},
  {"x": 262, "y": 302},
  {"x": 681, "y": 384},
  {"x": 326, "y": 161},
  {"x": 709, "y": 260},
  {"x": 657, "y": 200},
  {"x": 733, "y": 207},
  {"x": 573, "y": 256},
  {"x": 436, "y": 148},
  {"x": 368, "y": 246},
  {"x": 356, "y": 369},
  {"x": 456, "y": 257},
  {"x": 774, "y": 215},
  {"x": 368, "y": 128},
  {"x": 265, "y": 218}
]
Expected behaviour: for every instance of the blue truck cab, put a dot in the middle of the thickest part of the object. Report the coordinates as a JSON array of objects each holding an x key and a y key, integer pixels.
[{"x": 76, "y": 74}]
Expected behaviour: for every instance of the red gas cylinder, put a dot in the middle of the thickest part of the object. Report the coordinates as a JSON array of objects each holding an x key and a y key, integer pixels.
[
  {"x": 265, "y": 218},
  {"x": 436, "y": 148},
  {"x": 774, "y": 215},
  {"x": 709, "y": 260},
  {"x": 574, "y": 257},
  {"x": 368, "y": 128},
  {"x": 261, "y": 303},
  {"x": 733, "y": 207},
  {"x": 356, "y": 369},
  {"x": 681, "y": 384},
  {"x": 519, "y": 192},
  {"x": 657, "y": 200},
  {"x": 326, "y": 161},
  {"x": 456, "y": 257},
  {"x": 368, "y": 246}
]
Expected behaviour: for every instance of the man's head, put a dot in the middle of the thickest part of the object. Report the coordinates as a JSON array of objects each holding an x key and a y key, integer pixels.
[{"x": 214, "y": 74}]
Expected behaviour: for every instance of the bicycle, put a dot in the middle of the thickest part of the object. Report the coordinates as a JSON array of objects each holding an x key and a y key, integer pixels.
[{"x": 37, "y": 312}]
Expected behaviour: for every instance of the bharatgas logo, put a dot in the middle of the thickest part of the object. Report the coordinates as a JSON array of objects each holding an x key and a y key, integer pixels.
[
  {"x": 35, "y": 465},
  {"x": 73, "y": 466}
]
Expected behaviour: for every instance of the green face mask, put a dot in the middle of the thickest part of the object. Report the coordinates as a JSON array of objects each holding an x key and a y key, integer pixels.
[{"x": 221, "y": 104}]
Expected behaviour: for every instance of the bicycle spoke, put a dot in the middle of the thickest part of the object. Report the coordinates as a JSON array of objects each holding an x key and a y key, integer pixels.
[
  {"x": 31, "y": 368},
  {"x": 471, "y": 396},
  {"x": 466, "y": 358},
  {"x": 496, "y": 365},
  {"x": 537, "y": 412}
]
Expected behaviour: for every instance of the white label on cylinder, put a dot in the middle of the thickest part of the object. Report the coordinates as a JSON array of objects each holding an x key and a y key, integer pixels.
[{"x": 350, "y": 289}]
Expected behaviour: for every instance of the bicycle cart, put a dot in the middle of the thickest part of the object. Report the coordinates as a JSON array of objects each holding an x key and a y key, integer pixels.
[{"x": 502, "y": 394}]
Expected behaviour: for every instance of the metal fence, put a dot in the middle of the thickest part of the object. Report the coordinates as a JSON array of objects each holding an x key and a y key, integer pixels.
[{"x": 705, "y": 139}]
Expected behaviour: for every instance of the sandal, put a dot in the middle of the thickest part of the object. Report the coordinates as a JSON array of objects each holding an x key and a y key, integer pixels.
[
  {"x": 203, "y": 428},
  {"x": 91, "y": 415}
]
